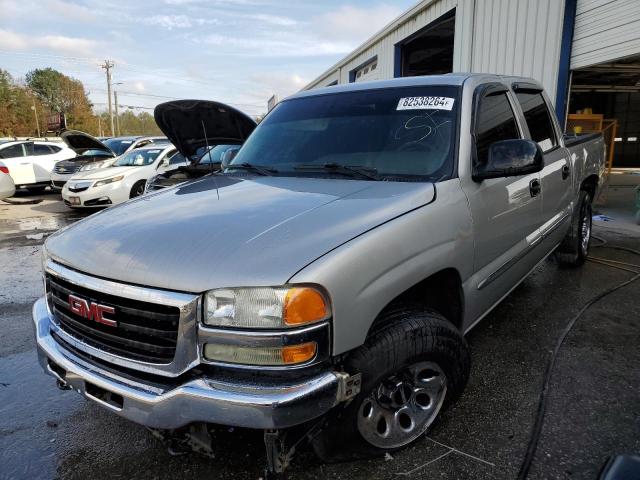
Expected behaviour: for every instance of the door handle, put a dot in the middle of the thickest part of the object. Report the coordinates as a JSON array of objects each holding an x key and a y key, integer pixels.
[
  {"x": 535, "y": 187},
  {"x": 565, "y": 172}
]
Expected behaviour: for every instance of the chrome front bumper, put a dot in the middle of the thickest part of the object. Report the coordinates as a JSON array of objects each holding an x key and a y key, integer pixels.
[{"x": 219, "y": 400}]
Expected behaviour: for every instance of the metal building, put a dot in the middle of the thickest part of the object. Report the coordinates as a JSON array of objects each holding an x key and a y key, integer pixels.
[{"x": 585, "y": 52}]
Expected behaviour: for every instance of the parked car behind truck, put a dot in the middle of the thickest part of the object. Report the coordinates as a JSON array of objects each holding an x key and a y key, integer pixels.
[
  {"x": 30, "y": 162},
  {"x": 124, "y": 180},
  {"x": 326, "y": 279}
]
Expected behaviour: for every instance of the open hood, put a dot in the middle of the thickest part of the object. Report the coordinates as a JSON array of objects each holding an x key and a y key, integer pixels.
[
  {"x": 80, "y": 142},
  {"x": 191, "y": 124}
]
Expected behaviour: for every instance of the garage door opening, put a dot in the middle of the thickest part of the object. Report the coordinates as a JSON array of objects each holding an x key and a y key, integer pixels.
[
  {"x": 429, "y": 51},
  {"x": 609, "y": 92}
]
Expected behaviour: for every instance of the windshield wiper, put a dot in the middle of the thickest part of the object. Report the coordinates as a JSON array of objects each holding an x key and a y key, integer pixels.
[
  {"x": 262, "y": 170},
  {"x": 351, "y": 170}
]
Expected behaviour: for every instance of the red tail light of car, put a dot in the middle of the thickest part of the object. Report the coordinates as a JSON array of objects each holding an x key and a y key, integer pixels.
[{"x": 4, "y": 169}]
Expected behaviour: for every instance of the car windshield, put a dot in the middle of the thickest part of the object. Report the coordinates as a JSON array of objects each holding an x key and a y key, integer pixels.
[
  {"x": 96, "y": 153},
  {"x": 138, "y": 158},
  {"x": 214, "y": 155},
  {"x": 118, "y": 145},
  {"x": 399, "y": 134}
]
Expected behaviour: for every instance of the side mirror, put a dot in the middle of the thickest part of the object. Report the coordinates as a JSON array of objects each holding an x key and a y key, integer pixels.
[{"x": 510, "y": 158}]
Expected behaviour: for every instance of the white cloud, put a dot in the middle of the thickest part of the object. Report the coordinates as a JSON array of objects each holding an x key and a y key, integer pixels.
[
  {"x": 70, "y": 10},
  {"x": 276, "y": 45},
  {"x": 139, "y": 87},
  {"x": 169, "y": 21},
  {"x": 68, "y": 45},
  {"x": 58, "y": 43},
  {"x": 354, "y": 24},
  {"x": 273, "y": 19},
  {"x": 12, "y": 41}
]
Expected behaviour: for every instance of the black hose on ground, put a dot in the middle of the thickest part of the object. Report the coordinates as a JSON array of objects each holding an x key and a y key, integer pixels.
[{"x": 542, "y": 400}]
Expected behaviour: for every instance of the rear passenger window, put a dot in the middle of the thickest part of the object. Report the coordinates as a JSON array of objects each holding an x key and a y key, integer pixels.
[
  {"x": 537, "y": 116},
  {"x": 495, "y": 122},
  {"x": 12, "y": 151},
  {"x": 41, "y": 149}
]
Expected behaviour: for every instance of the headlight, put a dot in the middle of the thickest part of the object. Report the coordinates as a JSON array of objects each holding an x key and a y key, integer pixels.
[
  {"x": 265, "y": 307},
  {"x": 107, "y": 181}
]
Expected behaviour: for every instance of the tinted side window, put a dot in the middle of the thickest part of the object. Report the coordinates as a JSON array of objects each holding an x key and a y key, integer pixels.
[
  {"x": 12, "y": 152},
  {"x": 495, "y": 122},
  {"x": 41, "y": 149},
  {"x": 537, "y": 116}
]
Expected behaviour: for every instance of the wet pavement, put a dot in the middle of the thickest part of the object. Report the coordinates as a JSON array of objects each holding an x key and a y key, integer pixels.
[{"x": 593, "y": 410}]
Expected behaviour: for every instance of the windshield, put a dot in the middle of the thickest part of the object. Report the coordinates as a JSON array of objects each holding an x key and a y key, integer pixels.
[
  {"x": 138, "y": 158},
  {"x": 96, "y": 153},
  {"x": 399, "y": 133},
  {"x": 215, "y": 154},
  {"x": 118, "y": 145}
]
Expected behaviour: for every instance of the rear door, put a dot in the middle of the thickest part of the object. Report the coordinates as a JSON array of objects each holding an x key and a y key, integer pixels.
[
  {"x": 43, "y": 158},
  {"x": 20, "y": 166},
  {"x": 506, "y": 211},
  {"x": 555, "y": 178}
]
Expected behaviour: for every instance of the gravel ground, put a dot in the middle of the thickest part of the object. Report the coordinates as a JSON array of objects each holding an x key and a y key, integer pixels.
[{"x": 593, "y": 409}]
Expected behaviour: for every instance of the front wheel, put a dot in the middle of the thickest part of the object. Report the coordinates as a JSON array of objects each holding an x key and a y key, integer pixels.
[
  {"x": 574, "y": 249},
  {"x": 137, "y": 189},
  {"x": 411, "y": 366}
]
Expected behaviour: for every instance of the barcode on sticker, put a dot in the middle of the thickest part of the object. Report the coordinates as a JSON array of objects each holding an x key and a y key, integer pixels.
[{"x": 425, "y": 103}]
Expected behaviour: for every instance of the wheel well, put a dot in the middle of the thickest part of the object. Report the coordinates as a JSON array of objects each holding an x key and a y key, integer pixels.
[
  {"x": 590, "y": 185},
  {"x": 441, "y": 292}
]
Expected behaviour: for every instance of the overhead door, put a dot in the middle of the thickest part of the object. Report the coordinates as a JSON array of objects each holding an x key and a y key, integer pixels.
[{"x": 605, "y": 30}]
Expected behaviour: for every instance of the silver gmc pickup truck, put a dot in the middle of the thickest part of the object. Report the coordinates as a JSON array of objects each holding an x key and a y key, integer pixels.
[{"x": 321, "y": 285}]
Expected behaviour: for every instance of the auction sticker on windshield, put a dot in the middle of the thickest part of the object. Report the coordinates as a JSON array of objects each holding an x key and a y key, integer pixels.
[{"x": 425, "y": 103}]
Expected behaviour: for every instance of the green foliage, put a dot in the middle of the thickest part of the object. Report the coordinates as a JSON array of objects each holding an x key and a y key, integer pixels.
[{"x": 49, "y": 91}]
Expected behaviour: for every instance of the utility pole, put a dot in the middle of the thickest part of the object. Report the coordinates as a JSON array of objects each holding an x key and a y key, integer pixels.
[
  {"x": 107, "y": 66},
  {"x": 35, "y": 113},
  {"x": 115, "y": 101},
  {"x": 99, "y": 126}
]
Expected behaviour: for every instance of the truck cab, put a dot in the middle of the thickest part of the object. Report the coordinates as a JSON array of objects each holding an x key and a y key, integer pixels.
[{"x": 325, "y": 280}]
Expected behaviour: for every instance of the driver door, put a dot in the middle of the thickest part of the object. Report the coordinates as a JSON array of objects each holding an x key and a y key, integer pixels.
[{"x": 506, "y": 212}]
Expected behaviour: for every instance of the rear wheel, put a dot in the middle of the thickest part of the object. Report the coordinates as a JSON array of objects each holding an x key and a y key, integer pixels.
[
  {"x": 574, "y": 249},
  {"x": 411, "y": 366},
  {"x": 137, "y": 189}
]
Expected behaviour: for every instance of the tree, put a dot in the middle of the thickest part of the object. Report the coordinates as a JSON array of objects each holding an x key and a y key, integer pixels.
[
  {"x": 63, "y": 94},
  {"x": 17, "y": 104}
]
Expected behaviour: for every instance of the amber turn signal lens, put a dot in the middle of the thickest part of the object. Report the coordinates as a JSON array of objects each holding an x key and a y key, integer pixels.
[
  {"x": 298, "y": 353},
  {"x": 304, "y": 305}
]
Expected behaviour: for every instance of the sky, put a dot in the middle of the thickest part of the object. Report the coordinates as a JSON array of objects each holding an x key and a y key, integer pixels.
[{"x": 238, "y": 52}]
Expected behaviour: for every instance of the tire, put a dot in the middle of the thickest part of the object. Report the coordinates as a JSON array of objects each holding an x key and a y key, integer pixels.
[
  {"x": 418, "y": 348},
  {"x": 137, "y": 189},
  {"x": 574, "y": 249}
]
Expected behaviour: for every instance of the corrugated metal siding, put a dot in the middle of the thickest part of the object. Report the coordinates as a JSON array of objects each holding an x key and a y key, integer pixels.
[
  {"x": 605, "y": 30},
  {"x": 512, "y": 37},
  {"x": 520, "y": 37}
]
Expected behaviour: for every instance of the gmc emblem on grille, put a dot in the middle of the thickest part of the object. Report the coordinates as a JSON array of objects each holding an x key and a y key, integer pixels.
[{"x": 91, "y": 311}]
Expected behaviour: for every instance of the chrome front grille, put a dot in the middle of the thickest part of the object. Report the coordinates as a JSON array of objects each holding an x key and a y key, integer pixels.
[{"x": 143, "y": 331}]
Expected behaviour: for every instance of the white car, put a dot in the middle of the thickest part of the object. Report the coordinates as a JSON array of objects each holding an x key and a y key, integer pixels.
[
  {"x": 30, "y": 162},
  {"x": 125, "y": 179},
  {"x": 7, "y": 187}
]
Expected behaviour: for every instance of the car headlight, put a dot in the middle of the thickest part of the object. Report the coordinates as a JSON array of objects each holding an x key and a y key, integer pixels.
[
  {"x": 107, "y": 181},
  {"x": 265, "y": 307}
]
